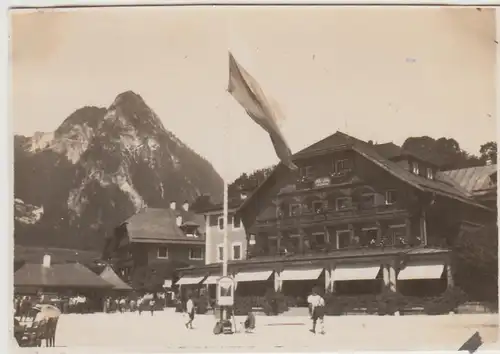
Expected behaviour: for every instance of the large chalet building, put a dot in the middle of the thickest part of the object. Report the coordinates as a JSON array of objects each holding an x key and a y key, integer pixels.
[
  {"x": 157, "y": 240},
  {"x": 357, "y": 218}
]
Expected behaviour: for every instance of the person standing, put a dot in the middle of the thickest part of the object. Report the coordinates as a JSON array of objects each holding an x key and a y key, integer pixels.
[
  {"x": 190, "y": 312},
  {"x": 317, "y": 309},
  {"x": 140, "y": 302},
  {"x": 152, "y": 305}
]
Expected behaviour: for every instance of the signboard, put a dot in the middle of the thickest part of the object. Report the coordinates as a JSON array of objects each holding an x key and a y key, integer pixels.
[
  {"x": 322, "y": 182},
  {"x": 167, "y": 283},
  {"x": 225, "y": 291}
]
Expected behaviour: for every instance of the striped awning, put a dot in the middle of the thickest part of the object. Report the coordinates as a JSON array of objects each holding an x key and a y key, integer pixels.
[
  {"x": 422, "y": 270},
  {"x": 355, "y": 272},
  {"x": 190, "y": 280},
  {"x": 301, "y": 274},
  {"x": 256, "y": 275},
  {"x": 211, "y": 279}
]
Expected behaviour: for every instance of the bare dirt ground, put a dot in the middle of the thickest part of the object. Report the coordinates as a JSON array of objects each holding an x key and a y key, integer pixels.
[{"x": 165, "y": 332}]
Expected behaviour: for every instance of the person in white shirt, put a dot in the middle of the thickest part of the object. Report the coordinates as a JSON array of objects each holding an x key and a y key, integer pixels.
[
  {"x": 317, "y": 310},
  {"x": 190, "y": 312}
]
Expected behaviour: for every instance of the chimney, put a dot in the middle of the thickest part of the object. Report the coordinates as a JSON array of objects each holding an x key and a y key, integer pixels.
[
  {"x": 173, "y": 205},
  {"x": 46, "y": 261},
  {"x": 178, "y": 220},
  {"x": 185, "y": 206}
]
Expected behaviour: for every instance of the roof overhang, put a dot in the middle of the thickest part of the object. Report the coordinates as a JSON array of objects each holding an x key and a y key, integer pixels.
[{"x": 197, "y": 241}]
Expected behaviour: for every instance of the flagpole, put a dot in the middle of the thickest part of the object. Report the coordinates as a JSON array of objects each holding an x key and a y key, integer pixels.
[{"x": 226, "y": 241}]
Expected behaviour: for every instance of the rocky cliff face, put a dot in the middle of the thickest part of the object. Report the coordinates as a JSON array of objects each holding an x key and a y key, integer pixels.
[{"x": 98, "y": 168}]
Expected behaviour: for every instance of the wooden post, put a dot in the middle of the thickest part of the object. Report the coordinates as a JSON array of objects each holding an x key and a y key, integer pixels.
[
  {"x": 392, "y": 277},
  {"x": 408, "y": 237},
  {"x": 450, "y": 283},
  {"x": 331, "y": 283},
  {"x": 386, "y": 276},
  {"x": 423, "y": 228},
  {"x": 277, "y": 281}
]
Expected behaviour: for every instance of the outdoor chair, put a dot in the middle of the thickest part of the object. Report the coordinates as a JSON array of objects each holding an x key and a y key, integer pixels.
[{"x": 50, "y": 332}]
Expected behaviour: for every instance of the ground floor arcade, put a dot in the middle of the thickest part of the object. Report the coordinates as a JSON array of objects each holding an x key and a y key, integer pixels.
[{"x": 410, "y": 271}]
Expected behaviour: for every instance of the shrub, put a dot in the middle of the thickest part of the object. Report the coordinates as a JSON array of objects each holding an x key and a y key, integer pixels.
[
  {"x": 390, "y": 302},
  {"x": 447, "y": 302}
]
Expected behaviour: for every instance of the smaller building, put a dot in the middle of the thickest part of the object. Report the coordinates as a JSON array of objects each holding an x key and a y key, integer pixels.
[
  {"x": 214, "y": 226},
  {"x": 154, "y": 242}
]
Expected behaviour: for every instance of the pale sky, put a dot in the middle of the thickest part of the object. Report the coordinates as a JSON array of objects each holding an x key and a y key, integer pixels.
[{"x": 376, "y": 73}]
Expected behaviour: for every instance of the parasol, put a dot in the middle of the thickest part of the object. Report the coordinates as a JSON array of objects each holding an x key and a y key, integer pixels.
[{"x": 46, "y": 311}]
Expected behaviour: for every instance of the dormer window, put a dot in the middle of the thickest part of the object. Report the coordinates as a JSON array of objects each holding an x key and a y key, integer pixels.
[
  {"x": 415, "y": 168},
  {"x": 430, "y": 173}
]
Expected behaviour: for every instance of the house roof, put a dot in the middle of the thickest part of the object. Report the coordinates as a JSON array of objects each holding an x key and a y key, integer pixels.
[
  {"x": 340, "y": 141},
  {"x": 68, "y": 275},
  {"x": 472, "y": 179},
  {"x": 160, "y": 225},
  {"x": 109, "y": 275}
]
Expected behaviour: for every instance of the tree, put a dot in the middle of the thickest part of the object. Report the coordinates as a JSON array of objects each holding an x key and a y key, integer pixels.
[
  {"x": 488, "y": 151},
  {"x": 248, "y": 182},
  {"x": 203, "y": 202},
  {"x": 476, "y": 263},
  {"x": 445, "y": 152}
]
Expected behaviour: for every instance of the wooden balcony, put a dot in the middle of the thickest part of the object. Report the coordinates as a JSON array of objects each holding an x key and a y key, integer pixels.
[{"x": 331, "y": 216}]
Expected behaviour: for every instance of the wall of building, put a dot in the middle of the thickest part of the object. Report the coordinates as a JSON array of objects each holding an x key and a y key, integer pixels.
[
  {"x": 176, "y": 252},
  {"x": 215, "y": 238}
]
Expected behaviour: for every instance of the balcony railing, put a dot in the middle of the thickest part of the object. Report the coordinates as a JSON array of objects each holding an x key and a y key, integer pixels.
[{"x": 330, "y": 214}]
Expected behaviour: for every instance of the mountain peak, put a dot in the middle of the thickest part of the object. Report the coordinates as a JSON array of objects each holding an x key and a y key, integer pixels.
[{"x": 129, "y": 97}]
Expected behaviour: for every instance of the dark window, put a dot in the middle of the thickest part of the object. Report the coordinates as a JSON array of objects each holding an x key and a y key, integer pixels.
[
  {"x": 221, "y": 223},
  {"x": 195, "y": 253},
  {"x": 368, "y": 200},
  {"x": 343, "y": 239},
  {"x": 162, "y": 252},
  {"x": 319, "y": 238},
  {"x": 294, "y": 209},
  {"x": 369, "y": 237},
  {"x": 343, "y": 203},
  {"x": 221, "y": 253},
  {"x": 391, "y": 197},
  {"x": 340, "y": 166},
  {"x": 398, "y": 234},
  {"x": 236, "y": 222},
  {"x": 273, "y": 245},
  {"x": 236, "y": 251},
  {"x": 306, "y": 171},
  {"x": 318, "y": 206}
]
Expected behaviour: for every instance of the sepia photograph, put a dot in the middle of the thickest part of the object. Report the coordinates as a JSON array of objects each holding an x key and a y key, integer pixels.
[{"x": 254, "y": 178}]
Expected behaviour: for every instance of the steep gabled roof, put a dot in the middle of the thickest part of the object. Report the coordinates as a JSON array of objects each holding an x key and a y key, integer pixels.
[
  {"x": 109, "y": 275},
  {"x": 340, "y": 141},
  {"x": 159, "y": 226}
]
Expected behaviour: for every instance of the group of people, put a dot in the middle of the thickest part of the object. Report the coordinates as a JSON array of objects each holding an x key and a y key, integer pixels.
[
  {"x": 124, "y": 304},
  {"x": 66, "y": 304}
]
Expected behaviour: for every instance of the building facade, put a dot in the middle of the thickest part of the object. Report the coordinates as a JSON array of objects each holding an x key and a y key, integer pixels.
[
  {"x": 214, "y": 230},
  {"x": 357, "y": 218},
  {"x": 158, "y": 241}
]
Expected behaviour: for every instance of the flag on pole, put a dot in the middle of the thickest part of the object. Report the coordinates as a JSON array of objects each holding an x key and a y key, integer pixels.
[{"x": 248, "y": 93}]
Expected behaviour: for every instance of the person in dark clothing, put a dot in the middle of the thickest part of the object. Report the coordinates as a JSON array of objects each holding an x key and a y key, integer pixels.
[{"x": 249, "y": 323}]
